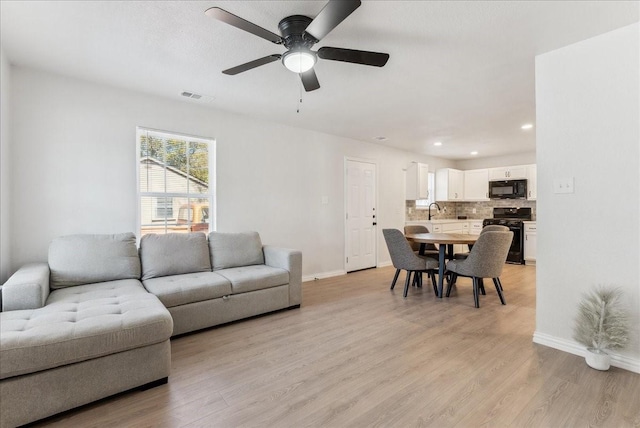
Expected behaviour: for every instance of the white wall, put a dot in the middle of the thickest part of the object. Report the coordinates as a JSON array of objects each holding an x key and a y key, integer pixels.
[
  {"x": 73, "y": 156},
  {"x": 587, "y": 113},
  {"x": 525, "y": 158},
  {"x": 5, "y": 167}
]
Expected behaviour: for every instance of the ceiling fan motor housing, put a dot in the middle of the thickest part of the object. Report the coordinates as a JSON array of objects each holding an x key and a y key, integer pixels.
[{"x": 292, "y": 30}]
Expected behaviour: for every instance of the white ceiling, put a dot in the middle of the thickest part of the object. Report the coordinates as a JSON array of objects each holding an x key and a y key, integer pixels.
[{"x": 460, "y": 72}]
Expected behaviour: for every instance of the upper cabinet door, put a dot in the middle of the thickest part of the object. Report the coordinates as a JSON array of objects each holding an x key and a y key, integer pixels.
[
  {"x": 508, "y": 173},
  {"x": 417, "y": 181},
  {"x": 449, "y": 184},
  {"x": 532, "y": 182},
  {"x": 476, "y": 185}
]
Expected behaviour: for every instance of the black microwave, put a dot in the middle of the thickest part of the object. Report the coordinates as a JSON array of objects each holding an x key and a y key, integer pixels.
[{"x": 508, "y": 189}]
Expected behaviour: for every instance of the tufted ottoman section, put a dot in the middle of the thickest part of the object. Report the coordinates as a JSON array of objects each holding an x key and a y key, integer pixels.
[{"x": 81, "y": 323}]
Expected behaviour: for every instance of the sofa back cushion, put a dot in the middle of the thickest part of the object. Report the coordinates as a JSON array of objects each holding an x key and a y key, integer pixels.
[
  {"x": 85, "y": 259},
  {"x": 174, "y": 254},
  {"x": 235, "y": 249}
]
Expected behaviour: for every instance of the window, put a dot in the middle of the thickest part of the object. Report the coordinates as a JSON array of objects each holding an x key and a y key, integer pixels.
[
  {"x": 164, "y": 208},
  {"x": 424, "y": 203},
  {"x": 174, "y": 188}
]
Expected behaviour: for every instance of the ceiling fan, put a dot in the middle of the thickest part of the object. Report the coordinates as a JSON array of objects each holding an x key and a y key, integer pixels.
[{"x": 299, "y": 34}]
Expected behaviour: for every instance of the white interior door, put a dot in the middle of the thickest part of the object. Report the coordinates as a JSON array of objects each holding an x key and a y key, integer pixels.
[{"x": 361, "y": 215}]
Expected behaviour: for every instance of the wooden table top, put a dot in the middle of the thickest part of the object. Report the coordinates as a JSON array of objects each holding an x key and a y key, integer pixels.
[{"x": 442, "y": 238}]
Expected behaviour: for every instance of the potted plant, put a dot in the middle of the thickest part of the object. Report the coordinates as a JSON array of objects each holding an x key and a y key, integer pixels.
[{"x": 601, "y": 324}]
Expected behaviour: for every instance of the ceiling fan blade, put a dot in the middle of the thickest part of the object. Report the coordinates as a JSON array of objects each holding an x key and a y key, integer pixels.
[
  {"x": 310, "y": 80},
  {"x": 252, "y": 64},
  {"x": 243, "y": 24},
  {"x": 376, "y": 59},
  {"x": 330, "y": 16}
]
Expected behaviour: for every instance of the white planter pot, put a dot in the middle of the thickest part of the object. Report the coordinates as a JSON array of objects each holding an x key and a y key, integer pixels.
[{"x": 597, "y": 359}]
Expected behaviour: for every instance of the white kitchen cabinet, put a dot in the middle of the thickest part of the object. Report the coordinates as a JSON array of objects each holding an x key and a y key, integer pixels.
[
  {"x": 455, "y": 226},
  {"x": 449, "y": 185},
  {"x": 475, "y": 227},
  {"x": 476, "y": 185},
  {"x": 449, "y": 226},
  {"x": 417, "y": 181},
  {"x": 532, "y": 182},
  {"x": 508, "y": 173},
  {"x": 530, "y": 242}
]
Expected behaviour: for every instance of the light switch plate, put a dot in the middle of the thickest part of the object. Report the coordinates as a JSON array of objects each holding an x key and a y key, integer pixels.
[
  {"x": 563, "y": 185},
  {"x": 325, "y": 200}
]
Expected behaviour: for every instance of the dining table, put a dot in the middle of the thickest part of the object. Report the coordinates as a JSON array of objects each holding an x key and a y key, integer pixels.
[{"x": 445, "y": 242}]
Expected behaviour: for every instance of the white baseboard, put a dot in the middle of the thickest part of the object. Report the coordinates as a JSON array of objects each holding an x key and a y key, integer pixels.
[
  {"x": 323, "y": 275},
  {"x": 621, "y": 361}
]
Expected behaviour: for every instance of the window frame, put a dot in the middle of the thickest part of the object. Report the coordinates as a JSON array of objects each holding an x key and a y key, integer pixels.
[{"x": 211, "y": 188}]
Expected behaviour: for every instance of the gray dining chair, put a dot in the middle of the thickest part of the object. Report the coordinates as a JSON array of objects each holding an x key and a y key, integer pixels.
[
  {"x": 487, "y": 228},
  {"x": 403, "y": 258},
  {"x": 486, "y": 260},
  {"x": 430, "y": 250}
]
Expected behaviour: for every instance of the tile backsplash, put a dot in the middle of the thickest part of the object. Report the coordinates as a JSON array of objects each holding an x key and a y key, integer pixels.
[{"x": 451, "y": 210}]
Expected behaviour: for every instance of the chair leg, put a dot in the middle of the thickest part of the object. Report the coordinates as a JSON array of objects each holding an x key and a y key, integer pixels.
[
  {"x": 395, "y": 278},
  {"x": 419, "y": 279},
  {"x": 476, "y": 297},
  {"x": 498, "y": 284},
  {"x": 432, "y": 274},
  {"x": 406, "y": 284},
  {"x": 481, "y": 286},
  {"x": 454, "y": 278}
]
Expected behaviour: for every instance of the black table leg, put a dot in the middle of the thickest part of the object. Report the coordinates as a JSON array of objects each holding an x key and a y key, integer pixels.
[{"x": 441, "y": 252}]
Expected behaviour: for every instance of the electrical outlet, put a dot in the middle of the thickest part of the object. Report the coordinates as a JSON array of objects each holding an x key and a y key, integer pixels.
[{"x": 474, "y": 211}]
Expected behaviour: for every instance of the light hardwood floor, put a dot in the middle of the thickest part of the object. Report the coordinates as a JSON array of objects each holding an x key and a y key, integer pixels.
[{"x": 358, "y": 355}]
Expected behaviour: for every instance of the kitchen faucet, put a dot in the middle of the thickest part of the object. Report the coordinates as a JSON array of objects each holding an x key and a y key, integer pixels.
[{"x": 433, "y": 203}]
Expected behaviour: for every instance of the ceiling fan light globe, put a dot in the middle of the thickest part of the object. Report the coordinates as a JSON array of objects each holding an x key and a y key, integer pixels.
[{"x": 299, "y": 61}]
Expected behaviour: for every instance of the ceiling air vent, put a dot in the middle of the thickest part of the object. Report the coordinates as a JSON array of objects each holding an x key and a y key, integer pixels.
[{"x": 191, "y": 95}]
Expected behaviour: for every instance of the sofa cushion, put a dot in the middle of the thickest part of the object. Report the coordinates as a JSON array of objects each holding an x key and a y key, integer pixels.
[
  {"x": 81, "y": 323},
  {"x": 174, "y": 254},
  {"x": 176, "y": 290},
  {"x": 235, "y": 249},
  {"x": 86, "y": 259},
  {"x": 257, "y": 277}
]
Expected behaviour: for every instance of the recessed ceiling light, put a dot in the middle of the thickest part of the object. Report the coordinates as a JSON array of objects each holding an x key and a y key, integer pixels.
[
  {"x": 474, "y": 153},
  {"x": 437, "y": 143},
  {"x": 380, "y": 138},
  {"x": 527, "y": 126}
]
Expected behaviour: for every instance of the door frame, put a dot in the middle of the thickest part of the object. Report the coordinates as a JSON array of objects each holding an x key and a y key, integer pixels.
[{"x": 345, "y": 192}]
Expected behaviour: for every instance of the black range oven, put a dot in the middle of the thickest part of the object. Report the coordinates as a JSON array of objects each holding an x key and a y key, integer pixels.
[{"x": 512, "y": 218}]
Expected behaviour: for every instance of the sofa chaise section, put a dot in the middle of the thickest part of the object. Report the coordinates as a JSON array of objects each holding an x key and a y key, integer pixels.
[{"x": 83, "y": 341}]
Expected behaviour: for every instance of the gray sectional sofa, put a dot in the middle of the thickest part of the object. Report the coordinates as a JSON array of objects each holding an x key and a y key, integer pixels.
[{"x": 97, "y": 318}]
